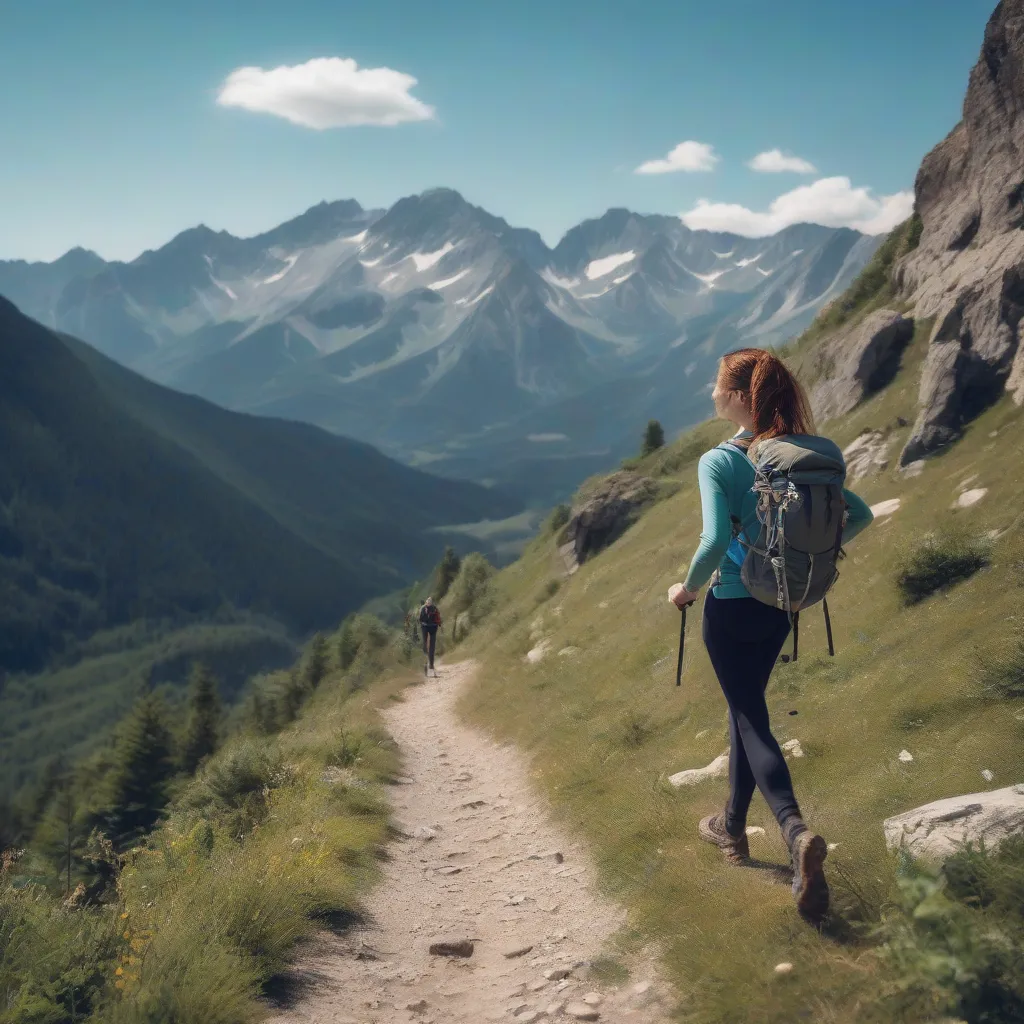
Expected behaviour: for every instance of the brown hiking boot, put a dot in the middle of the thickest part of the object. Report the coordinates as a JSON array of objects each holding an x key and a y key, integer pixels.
[
  {"x": 712, "y": 829},
  {"x": 810, "y": 890}
]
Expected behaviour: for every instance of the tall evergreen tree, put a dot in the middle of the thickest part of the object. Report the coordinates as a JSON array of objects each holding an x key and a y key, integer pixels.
[
  {"x": 143, "y": 766},
  {"x": 445, "y": 573},
  {"x": 202, "y": 727},
  {"x": 348, "y": 645},
  {"x": 316, "y": 661},
  {"x": 654, "y": 438},
  {"x": 62, "y": 834}
]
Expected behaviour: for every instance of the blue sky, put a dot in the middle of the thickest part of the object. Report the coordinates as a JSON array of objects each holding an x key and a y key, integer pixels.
[{"x": 113, "y": 136}]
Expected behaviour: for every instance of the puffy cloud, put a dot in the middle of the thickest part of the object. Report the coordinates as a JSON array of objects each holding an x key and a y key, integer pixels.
[
  {"x": 687, "y": 156},
  {"x": 326, "y": 92},
  {"x": 774, "y": 161},
  {"x": 832, "y": 202}
]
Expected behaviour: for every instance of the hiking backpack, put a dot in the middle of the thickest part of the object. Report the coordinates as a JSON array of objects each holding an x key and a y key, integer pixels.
[{"x": 788, "y": 549}]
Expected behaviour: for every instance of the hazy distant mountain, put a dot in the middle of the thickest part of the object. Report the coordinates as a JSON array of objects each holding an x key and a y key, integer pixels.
[{"x": 444, "y": 335}]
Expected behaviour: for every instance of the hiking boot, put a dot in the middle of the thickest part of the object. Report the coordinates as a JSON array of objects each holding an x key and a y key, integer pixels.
[
  {"x": 810, "y": 890},
  {"x": 712, "y": 829}
]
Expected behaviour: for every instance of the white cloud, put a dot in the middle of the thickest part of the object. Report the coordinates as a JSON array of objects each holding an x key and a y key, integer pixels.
[
  {"x": 687, "y": 156},
  {"x": 832, "y": 202},
  {"x": 326, "y": 92},
  {"x": 774, "y": 161}
]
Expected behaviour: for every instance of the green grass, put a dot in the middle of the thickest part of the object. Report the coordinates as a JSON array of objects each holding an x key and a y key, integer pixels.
[
  {"x": 606, "y": 727},
  {"x": 277, "y": 836}
]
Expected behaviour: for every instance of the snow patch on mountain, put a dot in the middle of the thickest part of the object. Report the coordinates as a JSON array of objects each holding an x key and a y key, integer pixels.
[
  {"x": 708, "y": 279},
  {"x": 438, "y": 285},
  {"x": 290, "y": 262},
  {"x": 722, "y": 255},
  {"x": 426, "y": 260},
  {"x": 747, "y": 262},
  {"x": 604, "y": 291},
  {"x": 473, "y": 301},
  {"x": 764, "y": 273},
  {"x": 606, "y": 264},
  {"x": 551, "y": 277},
  {"x": 357, "y": 239},
  {"x": 224, "y": 288}
]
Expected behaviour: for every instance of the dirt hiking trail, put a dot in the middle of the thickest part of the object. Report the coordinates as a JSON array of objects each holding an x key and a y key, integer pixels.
[{"x": 480, "y": 859}]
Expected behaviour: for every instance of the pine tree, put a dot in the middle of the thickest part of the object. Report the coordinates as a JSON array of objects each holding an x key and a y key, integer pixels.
[
  {"x": 348, "y": 645},
  {"x": 316, "y": 661},
  {"x": 445, "y": 573},
  {"x": 654, "y": 438},
  {"x": 62, "y": 833},
  {"x": 143, "y": 765},
  {"x": 202, "y": 729}
]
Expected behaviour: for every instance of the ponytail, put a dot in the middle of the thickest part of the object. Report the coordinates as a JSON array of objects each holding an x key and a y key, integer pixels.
[{"x": 778, "y": 404}]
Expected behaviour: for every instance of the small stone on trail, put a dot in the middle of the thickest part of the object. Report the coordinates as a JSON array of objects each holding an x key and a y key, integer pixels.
[
  {"x": 754, "y": 830},
  {"x": 457, "y": 947},
  {"x": 557, "y": 973},
  {"x": 641, "y": 987},
  {"x": 536, "y": 986},
  {"x": 518, "y": 951},
  {"x": 593, "y": 999},
  {"x": 543, "y": 856},
  {"x": 554, "y": 1009},
  {"x": 472, "y": 805},
  {"x": 581, "y": 1011},
  {"x": 425, "y": 833},
  {"x": 418, "y": 1007},
  {"x": 905, "y": 756},
  {"x": 833, "y": 846},
  {"x": 453, "y": 870},
  {"x": 793, "y": 747},
  {"x": 784, "y": 968},
  {"x": 987, "y": 775}
]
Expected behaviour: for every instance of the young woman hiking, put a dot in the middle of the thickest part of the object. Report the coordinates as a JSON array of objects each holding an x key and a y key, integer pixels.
[{"x": 743, "y": 636}]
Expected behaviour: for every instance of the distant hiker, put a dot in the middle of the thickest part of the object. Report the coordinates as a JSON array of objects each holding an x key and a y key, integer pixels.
[
  {"x": 744, "y": 634},
  {"x": 430, "y": 620}
]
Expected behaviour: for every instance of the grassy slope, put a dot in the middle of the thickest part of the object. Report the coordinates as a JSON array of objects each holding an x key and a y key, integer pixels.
[{"x": 606, "y": 726}]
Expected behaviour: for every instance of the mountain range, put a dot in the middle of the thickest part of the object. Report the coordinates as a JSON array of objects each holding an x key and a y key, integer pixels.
[{"x": 439, "y": 333}]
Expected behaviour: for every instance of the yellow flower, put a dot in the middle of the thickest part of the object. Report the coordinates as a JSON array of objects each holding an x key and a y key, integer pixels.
[
  {"x": 127, "y": 935},
  {"x": 124, "y": 916},
  {"x": 119, "y": 971},
  {"x": 119, "y": 984}
]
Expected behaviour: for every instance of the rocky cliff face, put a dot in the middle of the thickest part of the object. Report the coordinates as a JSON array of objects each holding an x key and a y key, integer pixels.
[{"x": 967, "y": 272}]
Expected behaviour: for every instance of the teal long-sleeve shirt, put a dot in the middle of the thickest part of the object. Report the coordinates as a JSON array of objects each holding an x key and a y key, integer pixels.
[{"x": 725, "y": 490}]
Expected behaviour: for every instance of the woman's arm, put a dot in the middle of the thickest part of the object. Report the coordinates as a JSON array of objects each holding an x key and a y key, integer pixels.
[
  {"x": 716, "y": 533},
  {"x": 859, "y": 518}
]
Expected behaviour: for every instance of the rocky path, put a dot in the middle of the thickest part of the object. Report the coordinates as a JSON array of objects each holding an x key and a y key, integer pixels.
[{"x": 480, "y": 861}]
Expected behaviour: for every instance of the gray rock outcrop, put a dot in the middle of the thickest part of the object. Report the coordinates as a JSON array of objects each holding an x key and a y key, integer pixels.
[
  {"x": 968, "y": 269},
  {"x": 938, "y": 830},
  {"x": 867, "y": 453},
  {"x": 864, "y": 362},
  {"x": 605, "y": 514}
]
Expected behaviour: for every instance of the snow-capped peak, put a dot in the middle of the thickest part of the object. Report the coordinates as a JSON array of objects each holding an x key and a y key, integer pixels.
[{"x": 425, "y": 260}]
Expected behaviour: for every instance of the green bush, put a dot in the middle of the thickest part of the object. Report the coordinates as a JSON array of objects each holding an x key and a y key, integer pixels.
[
  {"x": 471, "y": 587},
  {"x": 956, "y": 936},
  {"x": 939, "y": 561},
  {"x": 557, "y": 519}
]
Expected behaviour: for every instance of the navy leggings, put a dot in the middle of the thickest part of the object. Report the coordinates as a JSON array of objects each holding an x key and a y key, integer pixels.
[{"x": 744, "y": 638}]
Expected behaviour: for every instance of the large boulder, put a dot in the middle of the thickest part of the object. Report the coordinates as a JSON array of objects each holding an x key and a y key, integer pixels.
[
  {"x": 868, "y": 453},
  {"x": 604, "y": 514},
  {"x": 863, "y": 361},
  {"x": 937, "y": 830}
]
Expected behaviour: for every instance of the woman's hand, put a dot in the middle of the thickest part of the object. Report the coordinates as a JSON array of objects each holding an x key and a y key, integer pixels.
[{"x": 680, "y": 596}]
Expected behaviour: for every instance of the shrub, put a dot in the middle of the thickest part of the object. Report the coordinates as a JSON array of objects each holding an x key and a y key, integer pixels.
[
  {"x": 654, "y": 438},
  {"x": 939, "y": 561},
  {"x": 956, "y": 936},
  {"x": 471, "y": 587},
  {"x": 557, "y": 519}
]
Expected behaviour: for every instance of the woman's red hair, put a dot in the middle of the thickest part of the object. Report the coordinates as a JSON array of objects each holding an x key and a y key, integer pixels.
[{"x": 778, "y": 404}]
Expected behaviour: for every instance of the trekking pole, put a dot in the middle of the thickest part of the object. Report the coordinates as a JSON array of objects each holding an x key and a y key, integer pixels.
[{"x": 682, "y": 640}]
